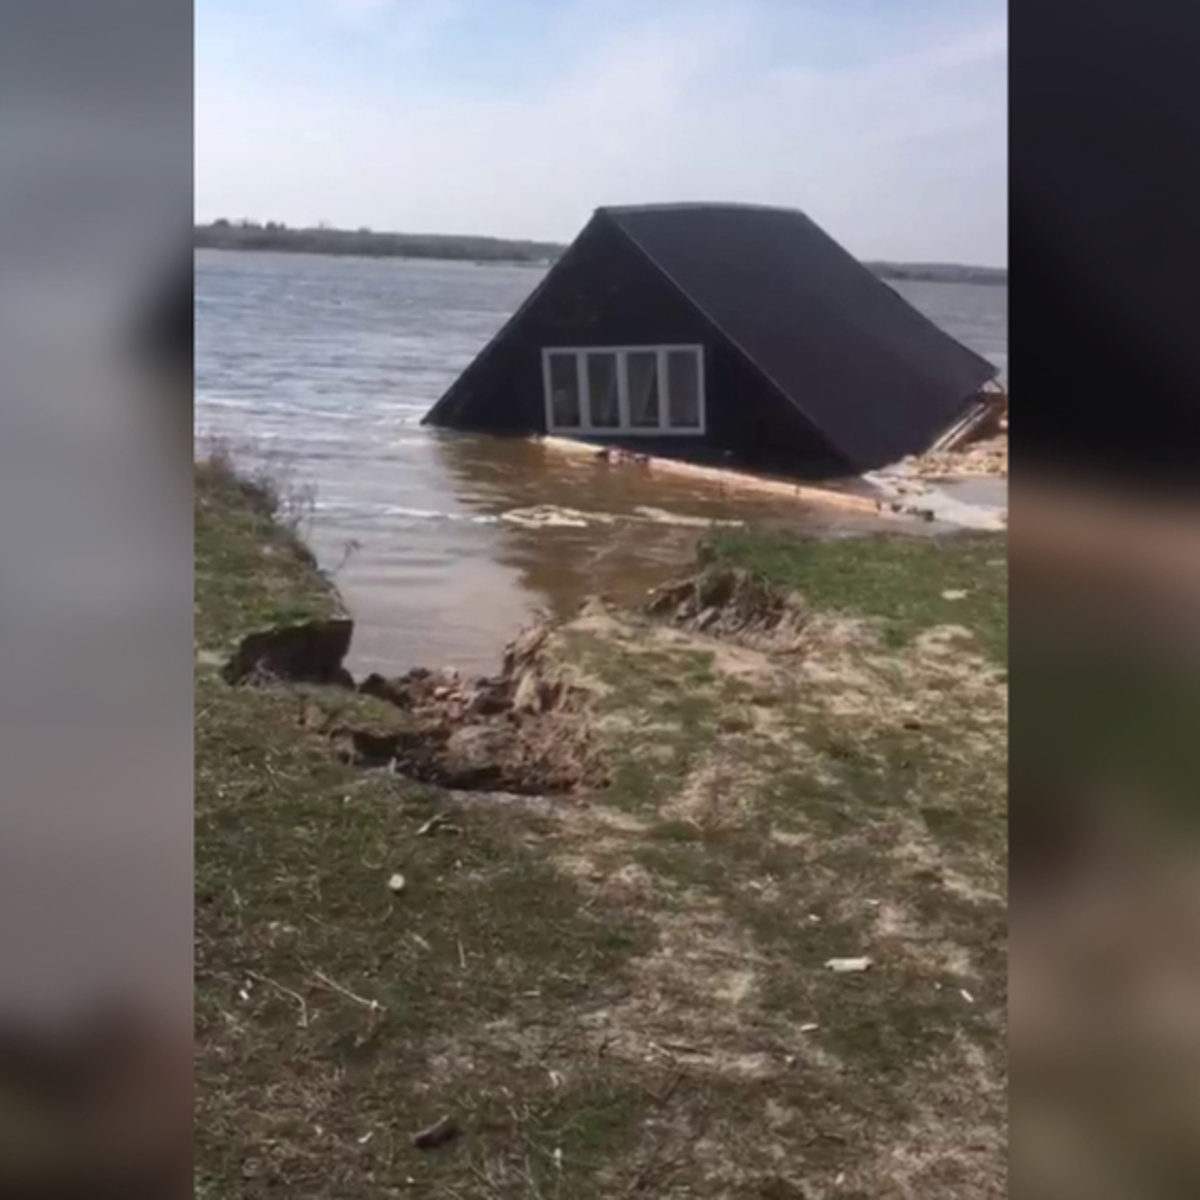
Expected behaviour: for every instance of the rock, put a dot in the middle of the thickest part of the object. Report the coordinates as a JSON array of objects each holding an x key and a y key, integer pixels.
[
  {"x": 954, "y": 594},
  {"x": 308, "y": 653}
]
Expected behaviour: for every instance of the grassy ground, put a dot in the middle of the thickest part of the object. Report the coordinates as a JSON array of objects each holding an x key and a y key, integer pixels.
[{"x": 621, "y": 994}]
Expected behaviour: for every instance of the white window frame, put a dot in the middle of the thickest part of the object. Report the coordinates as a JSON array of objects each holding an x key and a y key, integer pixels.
[{"x": 624, "y": 428}]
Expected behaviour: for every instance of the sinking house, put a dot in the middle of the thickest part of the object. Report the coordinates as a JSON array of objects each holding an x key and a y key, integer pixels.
[{"x": 719, "y": 333}]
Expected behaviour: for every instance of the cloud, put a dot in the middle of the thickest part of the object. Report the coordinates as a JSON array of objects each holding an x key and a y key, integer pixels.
[{"x": 901, "y": 156}]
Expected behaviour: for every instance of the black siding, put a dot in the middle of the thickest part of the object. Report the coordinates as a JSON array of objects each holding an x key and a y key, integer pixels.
[{"x": 604, "y": 292}]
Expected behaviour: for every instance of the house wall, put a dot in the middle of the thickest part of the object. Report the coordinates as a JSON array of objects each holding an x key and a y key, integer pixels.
[{"x": 605, "y": 293}]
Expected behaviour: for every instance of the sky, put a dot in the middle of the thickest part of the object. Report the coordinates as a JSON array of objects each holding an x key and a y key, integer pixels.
[{"x": 884, "y": 120}]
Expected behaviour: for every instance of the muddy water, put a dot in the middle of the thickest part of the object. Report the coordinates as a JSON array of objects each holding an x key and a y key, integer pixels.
[{"x": 443, "y": 545}]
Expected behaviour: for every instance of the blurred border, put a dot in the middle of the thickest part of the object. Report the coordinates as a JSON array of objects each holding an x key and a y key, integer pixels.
[
  {"x": 1105, "y": 603},
  {"x": 95, "y": 597}
]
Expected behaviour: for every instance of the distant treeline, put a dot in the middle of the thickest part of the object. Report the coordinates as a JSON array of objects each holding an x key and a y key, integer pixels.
[
  {"x": 249, "y": 235},
  {"x": 322, "y": 239},
  {"x": 940, "y": 272}
]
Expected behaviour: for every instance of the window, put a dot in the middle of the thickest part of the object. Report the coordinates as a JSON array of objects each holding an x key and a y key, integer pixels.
[
  {"x": 564, "y": 390},
  {"x": 642, "y": 371},
  {"x": 632, "y": 389},
  {"x": 683, "y": 389},
  {"x": 604, "y": 404}
]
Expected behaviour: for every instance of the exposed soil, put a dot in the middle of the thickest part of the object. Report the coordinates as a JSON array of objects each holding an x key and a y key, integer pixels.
[
  {"x": 308, "y": 653},
  {"x": 524, "y": 730}
]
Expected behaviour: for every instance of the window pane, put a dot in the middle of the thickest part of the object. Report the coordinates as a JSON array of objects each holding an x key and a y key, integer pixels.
[
  {"x": 564, "y": 391},
  {"x": 683, "y": 374},
  {"x": 643, "y": 389},
  {"x": 602, "y": 390}
]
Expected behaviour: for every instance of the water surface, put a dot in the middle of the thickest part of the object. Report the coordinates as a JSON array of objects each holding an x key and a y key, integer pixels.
[{"x": 324, "y": 367}]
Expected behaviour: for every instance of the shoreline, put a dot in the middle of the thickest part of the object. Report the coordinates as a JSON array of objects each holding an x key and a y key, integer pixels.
[{"x": 797, "y": 759}]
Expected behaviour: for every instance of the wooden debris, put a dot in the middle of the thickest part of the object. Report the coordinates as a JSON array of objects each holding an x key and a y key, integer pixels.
[{"x": 438, "y": 1134}]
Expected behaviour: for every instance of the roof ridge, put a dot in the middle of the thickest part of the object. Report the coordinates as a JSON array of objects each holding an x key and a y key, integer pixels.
[{"x": 712, "y": 205}]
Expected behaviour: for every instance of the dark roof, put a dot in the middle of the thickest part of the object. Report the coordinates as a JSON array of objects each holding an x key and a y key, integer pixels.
[{"x": 876, "y": 376}]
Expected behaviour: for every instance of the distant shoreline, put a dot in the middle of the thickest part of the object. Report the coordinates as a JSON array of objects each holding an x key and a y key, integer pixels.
[{"x": 365, "y": 243}]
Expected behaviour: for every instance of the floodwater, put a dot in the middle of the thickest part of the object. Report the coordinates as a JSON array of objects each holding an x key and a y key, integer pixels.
[{"x": 444, "y": 545}]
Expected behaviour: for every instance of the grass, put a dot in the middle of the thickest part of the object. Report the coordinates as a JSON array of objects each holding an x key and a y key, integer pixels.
[
  {"x": 251, "y": 569},
  {"x": 614, "y": 995},
  {"x": 898, "y": 581},
  {"x": 300, "y": 1086}
]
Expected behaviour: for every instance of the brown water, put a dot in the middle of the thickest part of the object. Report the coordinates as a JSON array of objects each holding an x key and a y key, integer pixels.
[{"x": 324, "y": 367}]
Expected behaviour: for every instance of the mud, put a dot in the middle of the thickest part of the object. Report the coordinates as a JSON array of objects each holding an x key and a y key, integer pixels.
[{"x": 728, "y": 602}]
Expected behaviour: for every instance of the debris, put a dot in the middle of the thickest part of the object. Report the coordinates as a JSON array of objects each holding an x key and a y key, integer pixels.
[
  {"x": 284, "y": 991},
  {"x": 436, "y": 822},
  {"x": 954, "y": 594},
  {"x": 987, "y": 457},
  {"x": 843, "y": 966},
  {"x": 660, "y": 516},
  {"x": 810, "y": 1027},
  {"x": 966, "y": 995},
  {"x": 524, "y": 730},
  {"x": 551, "y": 515},
  {"x": 397, "y": 883},
  {"x": 733, "y": 603},
  {"x": 366, "y": 1137},
  {"x": 681, "y": 1047},
  {"x": 987, "y": 418},
  {"x": 373, "y": 1005},
  {"x": 663, "y": 1096},
  {"x": 438, "y": 1134}
]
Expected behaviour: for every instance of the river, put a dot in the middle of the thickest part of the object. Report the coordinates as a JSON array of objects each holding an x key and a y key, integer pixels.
[{"x": 322, "y": 367}]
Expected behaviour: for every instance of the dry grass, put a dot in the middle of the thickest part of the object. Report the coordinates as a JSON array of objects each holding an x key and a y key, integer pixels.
[{"x": 620, "y": 993}]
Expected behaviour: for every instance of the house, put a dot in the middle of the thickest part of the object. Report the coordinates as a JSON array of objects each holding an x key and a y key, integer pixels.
[{"x": 719, "y": 333}]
